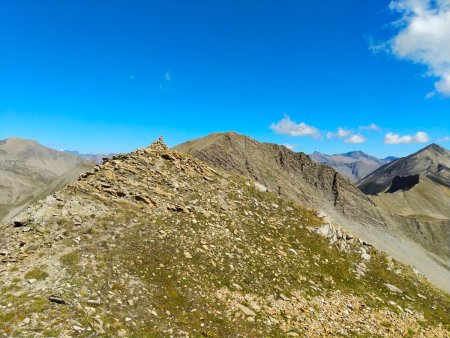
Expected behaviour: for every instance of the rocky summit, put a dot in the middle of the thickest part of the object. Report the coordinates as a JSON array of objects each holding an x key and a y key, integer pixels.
[{"x": 156, "y": 243}]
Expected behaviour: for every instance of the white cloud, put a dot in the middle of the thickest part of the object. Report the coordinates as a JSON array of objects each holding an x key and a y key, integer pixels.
[
  {"x": 419, "y": 137},
  {"x": 341, "y": 133},
  {"x": 290, "y": 146},
  {"x": 430, "y": 95},
  {"x": 444, "y": 139},
  {"x": 356, "y": 139},
  {"x": 288, "y": 127},
  {"x": 371, "y": 126},
  {"x": 423, "y": 38},
  {"x": 166, "y": 84}
]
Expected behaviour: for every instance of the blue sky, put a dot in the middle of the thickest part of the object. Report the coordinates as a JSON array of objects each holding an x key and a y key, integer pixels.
[{"x": 111, "y": 76}]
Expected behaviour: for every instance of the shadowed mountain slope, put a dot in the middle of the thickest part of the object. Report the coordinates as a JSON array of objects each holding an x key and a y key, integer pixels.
[
  {"x": 156, "y": 243},
  {"x": 354, "y": 165},
  {"x": 295, "y": 176},
  {"x": 417, "y": 185},
  {"x": 28, "y": 169},
  {"x": 432, "y": 161}
]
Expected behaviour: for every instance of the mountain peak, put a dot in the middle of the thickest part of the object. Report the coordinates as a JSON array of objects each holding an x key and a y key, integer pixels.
[
  {"x": 158, "y": 145},
  {"x": 354, "y": 164},
  {"x": 232, "y": 135},
  {"x": 435, "y": 151},
  {"x": 390, "y": 158},
  {"x": 426, "y": 161},
  {"x": 356, "y": 153},
  {"x": 17, "y": 141},
  {"x": 435, "y": 147}
]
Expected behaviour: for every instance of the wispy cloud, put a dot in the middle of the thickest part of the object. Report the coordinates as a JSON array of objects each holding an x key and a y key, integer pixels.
[
  {"x": 341, "y": 133},
  {"x": 348, "y": 135},
  {"x": 166, "y": 84},
  {"x": 370, "y": 127},
  {"x": 419, "y": 137},
  {"x": 290, "y": 146},
  {"x": 356, "y": 139},
  {"x": 288, "y": 127},
  {"x": 423, "y": 37}
]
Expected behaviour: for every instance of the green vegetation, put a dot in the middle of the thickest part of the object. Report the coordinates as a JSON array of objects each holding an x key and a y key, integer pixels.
[
  {"x": 71, "y": 259},
  {"x": 37, "y": 274}
]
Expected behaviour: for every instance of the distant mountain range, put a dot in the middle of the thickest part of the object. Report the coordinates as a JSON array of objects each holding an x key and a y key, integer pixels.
[
  {"x": 29, "y": 171},
  {"x": 97, "y": 158},
  {"x": 355, "y": 165}
]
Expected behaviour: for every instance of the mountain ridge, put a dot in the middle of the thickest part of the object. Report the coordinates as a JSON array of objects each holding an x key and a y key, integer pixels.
[
  {"x": 27, "y": 169},
  {"x": 157, "y": 243},
  {"x": 295, "y": 176}
]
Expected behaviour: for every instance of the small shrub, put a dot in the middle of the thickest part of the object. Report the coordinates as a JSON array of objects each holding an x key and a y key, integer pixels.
[
  {"x": 37, "y": 274},
  {"x": 70, "y": 259}
]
